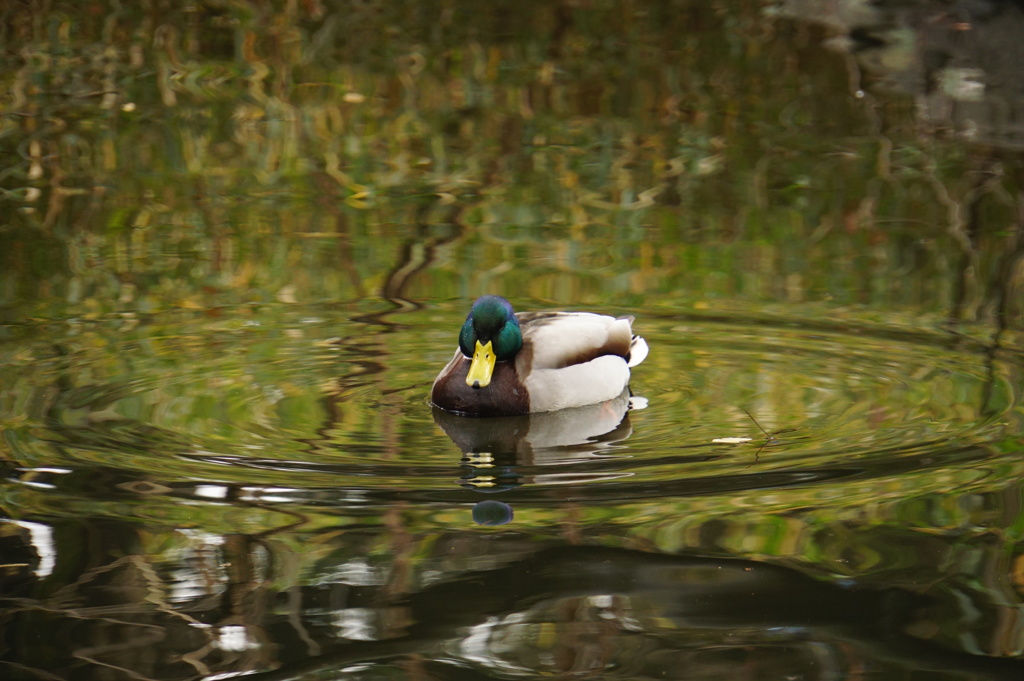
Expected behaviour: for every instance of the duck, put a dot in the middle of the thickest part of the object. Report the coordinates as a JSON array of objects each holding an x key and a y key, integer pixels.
[{"x": 510, "y": 364}]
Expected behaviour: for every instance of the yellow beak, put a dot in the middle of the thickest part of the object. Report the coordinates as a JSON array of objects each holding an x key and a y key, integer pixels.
[{"x": 482, "y": 367}]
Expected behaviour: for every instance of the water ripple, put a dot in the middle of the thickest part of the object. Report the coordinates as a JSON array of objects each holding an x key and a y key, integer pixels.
[{"x": 735, "y": 404}]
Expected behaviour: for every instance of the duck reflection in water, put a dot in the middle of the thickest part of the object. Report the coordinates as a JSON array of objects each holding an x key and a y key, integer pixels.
[
  {"x": 502, "y": 454},
  {"x": 558, "y": 380}
]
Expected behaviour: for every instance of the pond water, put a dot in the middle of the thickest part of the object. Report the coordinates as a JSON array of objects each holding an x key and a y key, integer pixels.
[{"x": 240, "y": 242}]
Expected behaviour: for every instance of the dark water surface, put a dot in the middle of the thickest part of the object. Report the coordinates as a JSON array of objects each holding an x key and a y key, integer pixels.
[{"x": 239, "y": 240}]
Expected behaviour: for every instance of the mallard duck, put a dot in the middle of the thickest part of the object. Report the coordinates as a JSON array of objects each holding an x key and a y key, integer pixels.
[{"x": 509, "y": 363}]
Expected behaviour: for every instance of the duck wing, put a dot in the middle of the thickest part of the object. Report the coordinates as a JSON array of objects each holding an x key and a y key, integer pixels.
[{"x": 555, "y": 340}]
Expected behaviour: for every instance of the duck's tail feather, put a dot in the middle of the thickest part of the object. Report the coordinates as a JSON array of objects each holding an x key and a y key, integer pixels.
[{"x": 637, "y": 351}]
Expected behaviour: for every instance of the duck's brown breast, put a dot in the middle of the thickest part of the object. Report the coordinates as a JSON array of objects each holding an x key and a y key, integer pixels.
[{"x": 504, "y": 396}]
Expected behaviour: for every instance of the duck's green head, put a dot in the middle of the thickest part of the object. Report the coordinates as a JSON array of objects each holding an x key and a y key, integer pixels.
[{"x": 491, "y": 334}]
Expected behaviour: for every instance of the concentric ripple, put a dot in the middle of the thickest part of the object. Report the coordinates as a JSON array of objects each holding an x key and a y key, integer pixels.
[{"x": 288, "y": 405}]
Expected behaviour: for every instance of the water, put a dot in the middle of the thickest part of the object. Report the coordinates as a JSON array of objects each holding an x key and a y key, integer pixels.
[
  {"x": 283, "y": 485},
  {"x": 228, "y": 281}
]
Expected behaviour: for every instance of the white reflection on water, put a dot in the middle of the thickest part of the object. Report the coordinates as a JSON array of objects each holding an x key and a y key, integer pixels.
[
  {"x": 484, "y": 644},
  {"x": 235, "y": 638},
  {"x": 356, "y": 624},
  {"x": 211, "y": 491},
  {"x": 356, "y": 573},
  {"x": 41, "y": 537}
]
